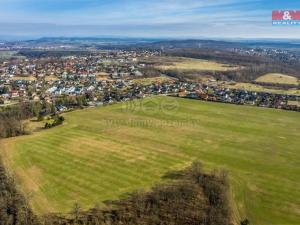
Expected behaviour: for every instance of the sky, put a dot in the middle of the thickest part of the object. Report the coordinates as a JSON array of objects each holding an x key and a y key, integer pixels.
[{"x": 145, "y": 18}]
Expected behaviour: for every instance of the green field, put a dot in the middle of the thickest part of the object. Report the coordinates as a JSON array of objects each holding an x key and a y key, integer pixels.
[{"x": 103, "y": 153}]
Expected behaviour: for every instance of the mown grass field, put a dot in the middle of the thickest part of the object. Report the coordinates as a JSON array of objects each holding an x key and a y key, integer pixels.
[
  {"x": 278, "y": 78},
  {"x": 103, "y": 153}
]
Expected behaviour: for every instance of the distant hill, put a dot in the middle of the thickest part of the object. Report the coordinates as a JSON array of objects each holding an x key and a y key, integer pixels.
[
  {"x": 159, "y": 43},
  {"x": 102, "y": 41},
  {"x": 170, "y": 44}
]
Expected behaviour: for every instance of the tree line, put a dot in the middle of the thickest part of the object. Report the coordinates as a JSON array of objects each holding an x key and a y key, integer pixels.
[
  {"x": 12, "y": 117},
  {"x": 54, "y": 121},
  {"x": 14, "y": 209}
]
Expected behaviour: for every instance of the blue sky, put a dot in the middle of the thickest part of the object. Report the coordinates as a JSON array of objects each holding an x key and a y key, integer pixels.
[{"x": 145, "y": 18}]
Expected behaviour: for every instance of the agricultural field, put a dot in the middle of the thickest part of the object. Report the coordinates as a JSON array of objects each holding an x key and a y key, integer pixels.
[
  {"x": 294, "y": 103},
  {"x": 260, "y": 88},
  {"x": 151, "y": 80},
  {"x": 51, "y": 78},
  {"x": 103, "y": 153},
  {"x": 189, "y": 64},
  {"x": 33, "y": 78},
  {"x": 278, "y": 78}
]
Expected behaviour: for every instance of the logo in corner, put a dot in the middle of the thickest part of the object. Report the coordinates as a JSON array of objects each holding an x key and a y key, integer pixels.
[{"x": 286, "y": 17}]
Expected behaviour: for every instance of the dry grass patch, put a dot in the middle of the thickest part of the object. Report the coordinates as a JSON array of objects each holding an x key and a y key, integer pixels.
[
  {"x": 28, "y": 78},
  {"x": 259, "y": 88},
  {"x": 278, "y": 78},
  {"x": 189, "y": 64},
  {"x": 147, "y": 81},
  {"x": 102, "y": 76},
  {"x": 51, "y": 78},
  {"x": 294, "y": 103}
]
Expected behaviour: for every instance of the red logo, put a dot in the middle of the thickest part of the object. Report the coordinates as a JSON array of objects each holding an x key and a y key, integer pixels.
[{"x": 286, "y": 15}]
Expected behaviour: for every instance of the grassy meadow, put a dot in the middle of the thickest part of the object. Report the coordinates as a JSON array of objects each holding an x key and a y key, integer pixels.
[
  {"x": 151, "y": 80},
  {"x": 278, "y": 78},
  {"x": 28, "y": 78},
  {"x": 103, "y": 153},
  {"x": 189, "y": 64},
  {"x": 260, "y": 88}
]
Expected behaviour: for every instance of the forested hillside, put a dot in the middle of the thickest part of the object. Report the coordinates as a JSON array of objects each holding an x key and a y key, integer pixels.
[
  {"x": 251, "y": 66},
  {"x": 14, "y": 209}
]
